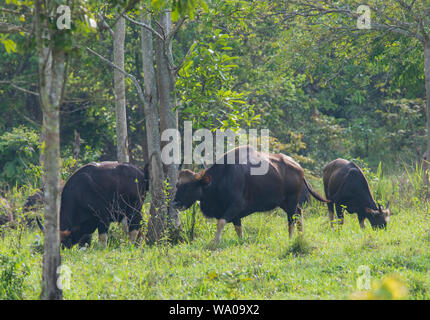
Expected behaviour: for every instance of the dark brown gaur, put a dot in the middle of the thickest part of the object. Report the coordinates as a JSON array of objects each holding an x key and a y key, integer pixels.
[
  {"x": 98, "y": 194},
  {"x": 229, "y": 192},
  {"x": 346, "y": 186}
]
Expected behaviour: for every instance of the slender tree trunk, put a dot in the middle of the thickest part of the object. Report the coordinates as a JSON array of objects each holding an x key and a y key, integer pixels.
[
  {"x": 426, "y": 164},
  {"x": 157, "y": 221},
  {"x": 51, "y": 63},
  {"x": 76, "y": 145},
  {"x": 166, "y": 90},
  {"x": 119, "y": 89}
]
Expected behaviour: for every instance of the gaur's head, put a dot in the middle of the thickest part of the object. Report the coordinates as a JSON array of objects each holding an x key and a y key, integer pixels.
[
  {"x": 68, "y": 238},
  {"x": 189, "y": 188},
  {"x": 380, "y": 217}
]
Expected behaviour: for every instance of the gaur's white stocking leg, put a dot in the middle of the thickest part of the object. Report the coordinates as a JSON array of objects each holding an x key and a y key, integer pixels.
[
  {"x": 124, "y": 224},
  {"x": 220, "y": 225},
  {"x": 103, "y": 239},
  {"x": 132, "y": 235}
]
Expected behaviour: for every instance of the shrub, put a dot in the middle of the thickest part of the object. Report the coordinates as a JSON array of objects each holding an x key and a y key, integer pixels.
[
  {"x": 12, "y": 275},
  {"x": 19, "y": 156}
]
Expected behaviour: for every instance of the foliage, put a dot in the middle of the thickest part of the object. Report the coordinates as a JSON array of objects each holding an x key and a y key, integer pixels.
[
  {"x": 205, "y": 86},
  {"x": 245, "y": 64},
  {"x": 12, "y": 277},
  {"x": 324, "y": 89},
  {"x": 19, "y": 153}
]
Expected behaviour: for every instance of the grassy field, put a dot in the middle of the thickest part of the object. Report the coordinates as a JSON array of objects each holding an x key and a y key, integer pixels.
[{"x": 324, "y": 263}]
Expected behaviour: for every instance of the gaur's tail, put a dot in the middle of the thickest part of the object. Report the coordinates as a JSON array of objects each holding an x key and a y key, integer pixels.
[
  {"x": 314, "y": 194},
  {"x": 39, "y": 224}
]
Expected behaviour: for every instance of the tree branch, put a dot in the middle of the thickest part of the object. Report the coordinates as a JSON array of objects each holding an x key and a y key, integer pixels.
[
  {"x": 128, "y": 75},
  {"x": 19, "y": 88},
  {"x": 172, "y": 33},
  {"x": 11, "y": 28},
  {"x": 105, "y": 24},
  {"x": 180, "y": 65},
  {"x": 310, "y": 9},
  {"x": 9, "y": 11},
  {"x": 144, "y": 25}
]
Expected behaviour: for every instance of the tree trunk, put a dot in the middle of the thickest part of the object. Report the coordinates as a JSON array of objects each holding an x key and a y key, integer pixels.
[
  {"x": 76, "y": 145},
  {"x": 426, "y": 163},
  {"x": 157, "y": 221},
  {"x": 51, "y": 63},
  {"x": 166, "y": 88},
  {"x": 119, "y": 90}
]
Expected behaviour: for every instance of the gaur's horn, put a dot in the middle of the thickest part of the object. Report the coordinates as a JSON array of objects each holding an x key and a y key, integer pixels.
[
  {"x": 40, "y": 225},
  {"x": 200, "y": 174},
  {"x": 180, "y": 167},
  {"x": 203, "y": 164},
  {"x": 388, "y": 205}
]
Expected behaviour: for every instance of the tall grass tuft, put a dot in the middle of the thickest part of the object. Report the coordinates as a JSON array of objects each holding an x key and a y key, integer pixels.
[
  {"x": 416, "y": 179},
  {"x": 300, "y": 246},
  {"x": 13, "y": 272}
]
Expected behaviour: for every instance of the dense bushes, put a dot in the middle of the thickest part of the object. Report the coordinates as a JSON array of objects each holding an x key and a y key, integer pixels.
[{"x": 19, "y": 156}]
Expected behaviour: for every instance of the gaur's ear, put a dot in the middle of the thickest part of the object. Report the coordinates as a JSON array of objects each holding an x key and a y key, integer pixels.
[
  {"x": 206, "y": 179},
  {"x": 64, "y": 234},
  {"x": 368, "y": 210},
  {"x": 203, "y": 178}
]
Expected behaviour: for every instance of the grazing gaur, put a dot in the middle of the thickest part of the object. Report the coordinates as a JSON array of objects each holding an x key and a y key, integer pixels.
[
  {"x": 229, "y": 192},
  {"x": 98, "y": 194},
  {"x": 345, "y": 185}
]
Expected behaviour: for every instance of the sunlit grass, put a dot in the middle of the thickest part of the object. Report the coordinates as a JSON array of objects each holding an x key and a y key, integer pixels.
[{"x": 323, "y": 263}]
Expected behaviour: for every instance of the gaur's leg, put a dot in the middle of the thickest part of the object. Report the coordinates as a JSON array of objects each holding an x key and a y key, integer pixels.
[
  {"x": 103, "y": 239},
  {"x": 103, "y": 227},
  {"x": 85, "y": 240},
  {"x": 85, "y": 232},
  {"x": 339, "y": 213},
  {"x": 361, "y": 221},
  {"x": 238, "y": 227},
  {"x": 134, "y": 216},
  {"x": 233, "y": 211},
  {"x": 331, "y": 213},
  {"x": 124, "y": 224},
  {"x": 220, "y": 225},
  {"x": 290, "y": 207}
]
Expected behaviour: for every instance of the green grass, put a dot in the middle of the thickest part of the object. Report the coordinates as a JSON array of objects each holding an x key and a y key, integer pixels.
[{"x": 324, "y": 263}]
